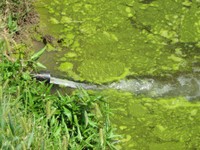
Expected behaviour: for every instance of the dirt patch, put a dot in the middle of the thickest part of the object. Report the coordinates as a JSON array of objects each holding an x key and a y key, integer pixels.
[
  {"x": 31, "y": 18},
  {"x": 28, "y": 30},
  {"x": 30, "y": 33},
  {"x": 26, "y": 25}
]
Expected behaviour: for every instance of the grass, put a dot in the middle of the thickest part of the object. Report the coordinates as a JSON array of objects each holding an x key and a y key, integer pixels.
[{"x": 31, "y": 117}]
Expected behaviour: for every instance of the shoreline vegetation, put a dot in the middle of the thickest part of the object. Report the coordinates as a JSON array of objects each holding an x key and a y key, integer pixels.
[{"x": 31, "y": 117}]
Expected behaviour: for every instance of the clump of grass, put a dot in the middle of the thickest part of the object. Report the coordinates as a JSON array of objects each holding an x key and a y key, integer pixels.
[{"x": 31, "y": 117}]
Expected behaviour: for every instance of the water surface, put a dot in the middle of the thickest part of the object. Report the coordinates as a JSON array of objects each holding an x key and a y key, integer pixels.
[{"x": 107, "y": 41}]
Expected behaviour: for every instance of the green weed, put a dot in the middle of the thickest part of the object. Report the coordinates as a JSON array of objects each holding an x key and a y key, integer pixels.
[
  {"x": 12, "y": 24},
  {"x": 31, "y": 117}
]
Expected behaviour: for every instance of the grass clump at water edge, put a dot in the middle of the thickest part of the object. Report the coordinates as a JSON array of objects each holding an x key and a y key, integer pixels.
[{"x": 31, "y": 117}]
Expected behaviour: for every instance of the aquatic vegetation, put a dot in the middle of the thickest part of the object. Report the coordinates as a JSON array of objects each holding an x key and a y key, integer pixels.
[
  {"x": 143, "y": 36},
  {"x": 146, "y": 123},
  {"x": 65, "y": 66},
  {"x": 110, "y": 40},
  {"x": 99, "y": 72}
]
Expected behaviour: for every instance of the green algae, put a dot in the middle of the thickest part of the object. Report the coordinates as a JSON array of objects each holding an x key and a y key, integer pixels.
[
  {"x": 150, "y": 124},
  {"x": 99, "y": 72},
  {"x": 65, "y": 66},
  {"x": 142, "y": 35},
  {"x": 71, "y": 55},
  {"x": 104, "y": 41}
]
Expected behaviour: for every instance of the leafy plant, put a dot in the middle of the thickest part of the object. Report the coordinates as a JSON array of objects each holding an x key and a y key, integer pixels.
[
  {"x": 36, "y": 56},
  {"x": 31, "y": 117}
]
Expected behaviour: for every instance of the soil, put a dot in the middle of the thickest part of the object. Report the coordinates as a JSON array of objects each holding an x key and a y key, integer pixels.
[{"x": 28, "y": 26}]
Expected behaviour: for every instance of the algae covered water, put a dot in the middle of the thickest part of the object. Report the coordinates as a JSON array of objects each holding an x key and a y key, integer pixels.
[{"x": 106, "y": 41}]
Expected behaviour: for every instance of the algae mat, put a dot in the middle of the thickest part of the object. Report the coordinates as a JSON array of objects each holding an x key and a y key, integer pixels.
[
  {"x": 101, "y": 41},
  {"x": 149, "y": 124}
]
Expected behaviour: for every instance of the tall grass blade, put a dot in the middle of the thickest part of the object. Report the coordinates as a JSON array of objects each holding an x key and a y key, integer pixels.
[
  {"x": 86, "y": 120},
  {"x": 38, "y": 64},
  {"x": 30, "y": 140},
  {"x": 66, "y": 129},
  {"x": 78, "y": 128},
  {"x": 43, "y": 145},
  {"x": 37, "y": 55},
  {"x": 65, "y": 143},
  {"x": 11, "y": 125},
  {"x": 68, "y": 113},
  {"x": 1, "y": 94},
  {"x": 57, "y": 132},
  {"x": 101, "y": 137}
]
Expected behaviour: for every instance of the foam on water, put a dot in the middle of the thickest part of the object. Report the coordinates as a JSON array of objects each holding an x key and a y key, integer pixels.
[{"x": 184, "y": 85}]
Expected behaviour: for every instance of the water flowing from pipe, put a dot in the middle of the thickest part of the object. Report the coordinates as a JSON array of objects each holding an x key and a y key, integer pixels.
[{"x": 183, "y": 85}]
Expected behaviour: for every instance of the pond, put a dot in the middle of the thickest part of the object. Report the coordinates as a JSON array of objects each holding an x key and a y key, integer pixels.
[{"x": 111, "y": 42}]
